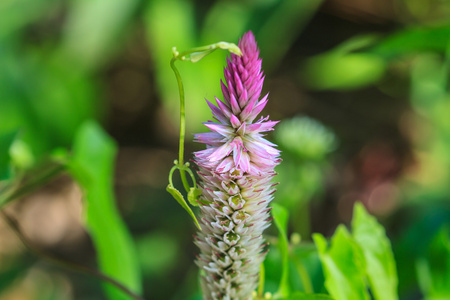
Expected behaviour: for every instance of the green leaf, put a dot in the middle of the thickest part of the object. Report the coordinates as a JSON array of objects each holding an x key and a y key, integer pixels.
[
  {"x": 343, "y": 71},
  {"x": 343, "y": 265},
  {"x": 413, "y": 40},
  {"x": 6, "y": 140},
  {"x": 193, "y": 195},
  {"x": 197, "y": 56},
  {"x": 93, "y": 167},
  {"x": 14, "y": 270},
  {"x": 101, "y": 23},
  {"x": 434, "y": 268},
  {"x": 280, "y": 217},
  {"x": 304, "y": 296},
  {"x": 376, "y": 247},
  {"x": 276, "y": 36},
  {"x": 305, "y": 261},
  {"x": 21, "y": 155},
  {"x": 179, "y": 197}
]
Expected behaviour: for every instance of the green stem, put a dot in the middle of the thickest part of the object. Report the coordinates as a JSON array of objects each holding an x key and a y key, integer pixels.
[
  {"x": 262, "y": 276},
  {"x": 304, "y": 276},
  {"x": 32, "y": 184},
  {"x": 182, "y": 124}
]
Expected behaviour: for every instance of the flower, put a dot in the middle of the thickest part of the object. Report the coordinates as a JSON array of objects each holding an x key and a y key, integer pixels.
[{"x": 235, "y": 171}]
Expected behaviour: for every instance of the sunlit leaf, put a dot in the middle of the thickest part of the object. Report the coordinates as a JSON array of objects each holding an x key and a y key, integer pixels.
[
  {"x": 343, "y": 265},
  {"x": 376, "y": 247},
  {"x": 93, "y": 167}
]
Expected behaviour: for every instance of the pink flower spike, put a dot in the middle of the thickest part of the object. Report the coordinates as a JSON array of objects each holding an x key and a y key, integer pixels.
[{"x": 235, "y": 170}]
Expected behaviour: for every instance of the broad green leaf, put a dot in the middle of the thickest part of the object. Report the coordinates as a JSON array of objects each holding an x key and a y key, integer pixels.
[
  {"x": 6, "y": 140},
  {"x": 180, "y": 199},
  {"x": 280, "y": 217},
  {"x": 93, "y": 167},
  {"x": 343, "y": 265},
  {"x": 376, "y": 247},
  {"x": 433, "y": 269}
]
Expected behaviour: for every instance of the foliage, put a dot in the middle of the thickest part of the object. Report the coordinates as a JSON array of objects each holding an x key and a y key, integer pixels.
[
  {"x": 92, "y": 166},
  {"x": 62, "y": 66}
]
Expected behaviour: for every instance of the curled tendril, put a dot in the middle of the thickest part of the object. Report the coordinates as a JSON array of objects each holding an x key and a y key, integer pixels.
[{"x": 194, "y": 55}]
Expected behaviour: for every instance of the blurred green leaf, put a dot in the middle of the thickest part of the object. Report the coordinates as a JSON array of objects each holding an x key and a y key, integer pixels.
[
  {"x": 171, "y": 23},
  {"x": 21, "y": 155},
  {"x": 94, "y": 29},
  {"x": 16, "y": 14},
  {"x": 158, "y": 253},
  {"x": 13, "y": 270},
  {"x": 306, "y": 138},
  {"x": 303, "y": 296},
  {"x": 343, "y": 265},
  {"x": 306, "y": 274},
  {"x": 93, "y": 167},
  {"x": 413, "y": 41},
  {"x": 6, "y": 140},
  {"x": 281, "y": 27},
  {"x": 342, "y": 72},
  {"x": 280, "y": 217},
  {"x": 180, "y": 199},
  {"x": 433, "y": 269},
  {"x": 376, "y": 247}
]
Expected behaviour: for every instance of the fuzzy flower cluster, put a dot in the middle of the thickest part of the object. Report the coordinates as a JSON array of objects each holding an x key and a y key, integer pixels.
[{"x": 235, "y": 170}]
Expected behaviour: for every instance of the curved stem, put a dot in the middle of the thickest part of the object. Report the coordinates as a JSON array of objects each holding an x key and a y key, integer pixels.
[
  {"x": 182, "y": 123},
  {"x": 192, "y": 177},
  {"x": 63, "y": 263}
]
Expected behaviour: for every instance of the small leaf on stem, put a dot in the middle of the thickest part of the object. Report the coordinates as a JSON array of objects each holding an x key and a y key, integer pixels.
[{"x": 180, "y": 199}]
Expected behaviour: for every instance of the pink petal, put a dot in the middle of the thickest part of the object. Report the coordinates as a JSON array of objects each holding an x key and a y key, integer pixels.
[{"x": 219, "y": 128}]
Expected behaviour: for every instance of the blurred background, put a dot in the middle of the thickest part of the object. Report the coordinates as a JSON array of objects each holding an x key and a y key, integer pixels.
[{"x": 360, "y": 87}]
